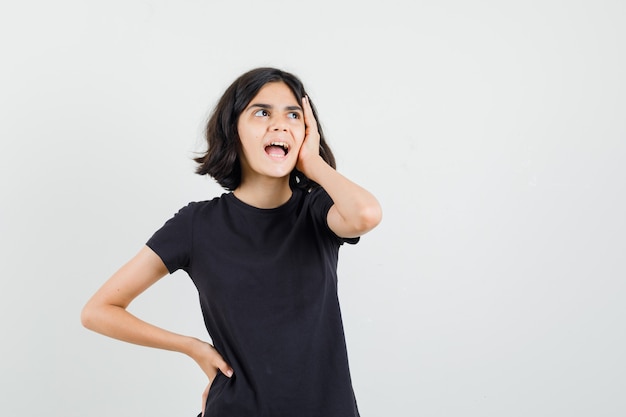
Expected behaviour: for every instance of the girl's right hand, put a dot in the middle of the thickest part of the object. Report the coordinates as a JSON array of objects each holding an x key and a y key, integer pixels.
[{"x": 209, "y": 359}]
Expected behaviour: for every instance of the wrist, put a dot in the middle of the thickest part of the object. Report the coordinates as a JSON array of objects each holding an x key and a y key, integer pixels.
[
  {"x": 192, "y": 347},
  {"x": 313, "y": 167}
]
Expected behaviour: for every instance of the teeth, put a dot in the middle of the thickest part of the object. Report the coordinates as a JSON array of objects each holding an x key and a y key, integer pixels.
[{"x": 281, "y": 144}]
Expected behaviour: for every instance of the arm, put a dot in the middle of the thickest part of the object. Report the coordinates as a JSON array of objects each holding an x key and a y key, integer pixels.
[
  {"x": 106, "y": 313},
  {"x": 355, "y": 211}
]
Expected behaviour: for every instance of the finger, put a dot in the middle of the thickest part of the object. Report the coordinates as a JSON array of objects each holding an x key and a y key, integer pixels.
[
  {"x": 227, "y": 370},
  {"x": 224, "y": 367},
  {"x": 218, "y": 362},
  {"x": 309, "y": 118}
]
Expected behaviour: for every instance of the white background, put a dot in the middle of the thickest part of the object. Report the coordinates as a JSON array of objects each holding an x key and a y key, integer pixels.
[{"x": 493, "y": 133}]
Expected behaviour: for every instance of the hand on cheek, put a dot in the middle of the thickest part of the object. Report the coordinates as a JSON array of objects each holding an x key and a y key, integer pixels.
[{"x": 310, "y": 148}]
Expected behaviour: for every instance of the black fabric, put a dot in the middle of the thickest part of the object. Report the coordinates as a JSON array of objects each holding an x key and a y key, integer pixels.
[{"x": 267, "y": 282}]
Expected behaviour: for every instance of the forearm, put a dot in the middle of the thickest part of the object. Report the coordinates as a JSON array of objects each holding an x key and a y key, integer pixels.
[{"x": 116, "y": 322}]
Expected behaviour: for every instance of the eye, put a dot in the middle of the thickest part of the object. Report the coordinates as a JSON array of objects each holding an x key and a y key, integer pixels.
[
  {"x": 261, "y": 113},
  {"x": 293, "y": 115}
]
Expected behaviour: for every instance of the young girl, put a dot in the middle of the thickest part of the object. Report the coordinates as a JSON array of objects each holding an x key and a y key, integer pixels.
[{"x": 263, "y": 257}]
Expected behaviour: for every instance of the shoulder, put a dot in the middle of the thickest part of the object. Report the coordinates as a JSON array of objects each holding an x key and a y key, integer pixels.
[
  {"x": 203, "y": 205},
  {"x": 319, "y": 203},
  {"x": 317, "y": 196},
  {"x": 188, "y": 213}
]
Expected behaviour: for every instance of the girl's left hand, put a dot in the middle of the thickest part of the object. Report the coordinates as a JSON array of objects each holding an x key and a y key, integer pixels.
[{"x": 310, "y": 148}]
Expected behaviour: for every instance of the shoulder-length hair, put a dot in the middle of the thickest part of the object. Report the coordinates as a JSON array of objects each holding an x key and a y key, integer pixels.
[{"x": 221, "y": 160}]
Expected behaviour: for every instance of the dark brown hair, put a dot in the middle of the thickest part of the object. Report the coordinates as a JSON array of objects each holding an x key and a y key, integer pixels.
[{"x": 221, "y": 160}]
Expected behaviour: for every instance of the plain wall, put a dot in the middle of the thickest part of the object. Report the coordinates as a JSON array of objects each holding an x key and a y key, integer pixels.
[{"x": 493, "y": 133}]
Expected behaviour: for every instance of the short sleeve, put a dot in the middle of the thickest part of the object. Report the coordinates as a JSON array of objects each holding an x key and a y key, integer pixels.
[
  {"x": 173, "y": 241},
  {"x": 321, "y": 203}
]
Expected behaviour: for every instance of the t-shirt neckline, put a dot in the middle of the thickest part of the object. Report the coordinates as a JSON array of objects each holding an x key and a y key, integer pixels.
[{"x": 283, "y": 207}]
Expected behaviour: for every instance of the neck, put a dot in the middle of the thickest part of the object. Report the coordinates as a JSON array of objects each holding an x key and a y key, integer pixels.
[{"x": 264, "y": 194}]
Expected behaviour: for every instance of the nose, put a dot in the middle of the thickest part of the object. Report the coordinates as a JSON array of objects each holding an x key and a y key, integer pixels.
[{"x": 278, "y": 124}]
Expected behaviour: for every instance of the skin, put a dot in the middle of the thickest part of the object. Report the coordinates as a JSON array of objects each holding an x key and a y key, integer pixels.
[{"x": 274, "y": 114}]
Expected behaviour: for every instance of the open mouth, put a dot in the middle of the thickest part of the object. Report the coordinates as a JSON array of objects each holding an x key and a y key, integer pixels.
[{"x": 277, "y": 149}]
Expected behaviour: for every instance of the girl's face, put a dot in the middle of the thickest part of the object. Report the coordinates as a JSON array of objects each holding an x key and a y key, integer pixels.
[{"x": 271, "y": 130}]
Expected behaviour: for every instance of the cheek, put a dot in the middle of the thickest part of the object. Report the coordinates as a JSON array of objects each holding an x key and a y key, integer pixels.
[
  {"x": 247, "y": 136},
  {"x": 299, "y": 133}
]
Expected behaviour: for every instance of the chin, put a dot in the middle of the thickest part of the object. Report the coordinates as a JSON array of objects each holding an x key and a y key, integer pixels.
[{"x": 282, "y": 172}]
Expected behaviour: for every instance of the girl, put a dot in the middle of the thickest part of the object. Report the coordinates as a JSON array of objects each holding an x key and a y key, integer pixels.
[{"x": 263, "y": 257}]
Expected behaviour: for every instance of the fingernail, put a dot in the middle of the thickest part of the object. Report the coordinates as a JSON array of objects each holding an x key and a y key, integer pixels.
[{"x": 229, "y": 373}]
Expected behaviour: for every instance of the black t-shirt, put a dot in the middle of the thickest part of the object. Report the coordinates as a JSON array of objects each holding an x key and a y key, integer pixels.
[{"x": 267, "y": 281}]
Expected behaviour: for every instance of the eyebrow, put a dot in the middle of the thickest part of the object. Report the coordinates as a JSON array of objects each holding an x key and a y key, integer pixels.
[{"x": 270, "y": 107}]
